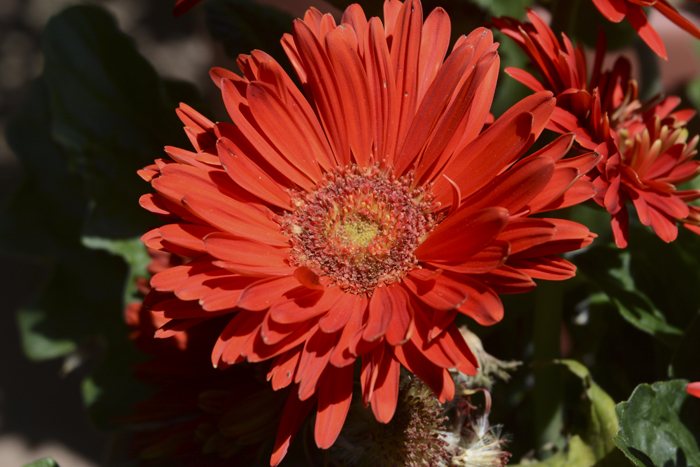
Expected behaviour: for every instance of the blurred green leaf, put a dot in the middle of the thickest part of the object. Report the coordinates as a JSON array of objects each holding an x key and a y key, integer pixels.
[
  {"x": 134, "y": 253},
  {"x": 602, "y": 423},
  {"x": 589, "y": 21},
  {"x": 513, "y": 8},
  {"x": 609, "y": 268},
  {"x": 685, "y": 359},
  {"x": 659, "y": 426},
  {"x": 693, "y": 92},
  {"x": 45, "y": 462},
  {"x": 576, "y": 454},
  {"x": 98, "y": 114},
  {"x": 46, "y": 212},
  {"x": 244, "y": 25},
  {"x": 594, "y": 445},
  {"x": 111, "y": 112}
]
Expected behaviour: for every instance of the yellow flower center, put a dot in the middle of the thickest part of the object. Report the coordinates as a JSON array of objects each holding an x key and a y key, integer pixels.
[{"x": 359, "y": 227}]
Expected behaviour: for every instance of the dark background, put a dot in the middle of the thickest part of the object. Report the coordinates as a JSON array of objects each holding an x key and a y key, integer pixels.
[{"x": 40, "y": 411}]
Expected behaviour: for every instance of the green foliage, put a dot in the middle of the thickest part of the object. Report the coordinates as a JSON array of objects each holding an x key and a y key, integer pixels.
[
  {"x": 513, "y": 8},
  {"x": 97, "y": 115},
  {"x": 659, "y": 425},
  {"x": 44, "y": 462},
  {"x": 243, "y": 25},
  {"x": 611, "y": 270},
  {"x": 111, "y": 123},
  {"x": 594, "y": 445}
]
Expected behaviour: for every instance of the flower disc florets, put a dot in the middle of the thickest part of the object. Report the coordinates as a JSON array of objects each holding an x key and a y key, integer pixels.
[{"x": 359, "y": 227}]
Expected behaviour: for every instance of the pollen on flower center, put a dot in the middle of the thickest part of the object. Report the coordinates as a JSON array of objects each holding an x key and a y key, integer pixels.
[
  {"x": 359, "y": 227},
  {"x": 358, "y": 230}
]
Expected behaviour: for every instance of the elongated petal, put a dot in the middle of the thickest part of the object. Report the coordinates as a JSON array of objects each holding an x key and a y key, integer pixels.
[
  {"x": 293, "y": 415},
  {"x": 462, "y": 235},
  {"x": 334, "y": 398}
]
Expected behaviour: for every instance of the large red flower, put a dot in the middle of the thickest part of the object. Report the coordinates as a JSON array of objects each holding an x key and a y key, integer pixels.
[
  {"x": 645, "y": 147},
  {"x": 617, "y": 10},
  {"x": 358, "y": 221}
]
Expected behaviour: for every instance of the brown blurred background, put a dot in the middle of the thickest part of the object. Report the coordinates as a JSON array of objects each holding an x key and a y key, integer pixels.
[{"x": 40, "y": 412}]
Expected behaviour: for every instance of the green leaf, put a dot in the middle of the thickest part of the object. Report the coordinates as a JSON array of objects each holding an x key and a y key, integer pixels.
[
  {"x": 589, "y": 21},
  {"x": 46, "y": 212},
  {"x": 576, "y": 454},
  {"x": 685, "y": 359},
  {"x": 659, "y": 426},
  {"x": 37, "y": 345},
  {"x": 602, "y": 423},
  {"x": 594, "y": 446},
  {"x": 610, "y": 269},
  {"x": 134, "y": 253},
  {"x": 243, "y": 25},
  {"x": 45, "y": 462},
  {"x": 513, "y": 8},
  {"x": 98, "y": 114},
  {"x": 111, "y": 112}
]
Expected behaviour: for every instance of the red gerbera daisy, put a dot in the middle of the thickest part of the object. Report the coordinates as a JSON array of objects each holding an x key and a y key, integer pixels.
[
  {"x": 360, "y": 220},
  {"x": 617, "y": 10},
  {"x": 645, "y": 145},
  {"x": 645, "y": 166},
  {"x": 693, "y": 389},
  {"x": 588, "y": 107}
]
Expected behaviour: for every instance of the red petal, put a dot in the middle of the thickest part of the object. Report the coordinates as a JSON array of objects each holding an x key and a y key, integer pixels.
[
  {"x": 237, "y": 332},
  {"x": 282, "y": 369},
  {"x": 405, "y": 50},
  {"x": 305, "y": 304},
  {"x": 438, "y": 379},
  {"x": 340, "y": 312},
  {"x": 248, "y": 253},
  {"x": 293, "y": 415},
  {"x": 693, "y": 389},
  {"x": 517, "y": 187},
  {"x": 380, "y": 75},
  {"x": 264, "y": 293},
  {"x": 250, "y": 176},
  {"x": 613, "y": 10},
  {"x": 277, "y": 123},
  {"x": 381, "y": 309},
  {"x": 334, "y": 398},
  {"x": 314, "y": 359},
  {"x": 502, "y": 143},
  {"x": 401, "y": 325},
  {"x": 341, "y": 355},
  {"x": 386, "y": 388},
  {"x": 524, "y": 233},
  {"x": 341, "y": 44},
  {"x": 323, "y": 84},
  {"x": 638, "y": 19},
  {"x": 525, "y": 78},
  {"x": 551, "y": 268},
  {"x": 462, "y": 235},
  {"x": 669, "y": 12}
]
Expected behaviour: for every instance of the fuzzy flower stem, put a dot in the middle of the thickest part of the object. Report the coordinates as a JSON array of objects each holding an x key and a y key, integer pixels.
[
  {"x": 564, "y": 16},
  {"x": 549, "y": 382},
  {"x": 650, "y": 77}
]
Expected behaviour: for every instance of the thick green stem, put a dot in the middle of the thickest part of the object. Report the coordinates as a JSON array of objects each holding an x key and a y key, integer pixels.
[
  {"x": 650, "y": 77},
  {"x": 549, "y": 379},
  {"x": 564, "y": 17}
]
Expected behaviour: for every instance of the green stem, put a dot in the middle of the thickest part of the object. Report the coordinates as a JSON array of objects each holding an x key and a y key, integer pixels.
[
  {"x": 549, "y": 379},
  {"x": 564, "y": 17},
  {"x": 650, "y": 77}
]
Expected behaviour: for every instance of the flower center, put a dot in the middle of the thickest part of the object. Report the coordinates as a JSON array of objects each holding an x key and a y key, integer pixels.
[{"x": 359, "y": 227}]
